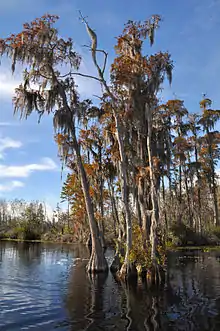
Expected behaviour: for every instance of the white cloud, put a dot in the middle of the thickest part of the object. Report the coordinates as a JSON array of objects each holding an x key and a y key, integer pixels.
[
  {"x": 25, "y": 171},
  {"x": 87, "y": 87},
  {"x": 10, "y": 186},
  {"x": 7, "y": 85},
  {"x": 6, "y": 143}
]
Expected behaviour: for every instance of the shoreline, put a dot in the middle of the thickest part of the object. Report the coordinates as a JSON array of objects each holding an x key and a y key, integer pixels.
[
  {"x": 169, "y": 249},
  {"x": 38, "y": 241}
]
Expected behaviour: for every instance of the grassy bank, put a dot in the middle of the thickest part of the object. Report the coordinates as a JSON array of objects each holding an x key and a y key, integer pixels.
[
  {"x": 37, "y": 241},
  {"x": 194, "y": 248},
  {"x": 169, "y": 248},
  {"x": 56, "y": 239}
]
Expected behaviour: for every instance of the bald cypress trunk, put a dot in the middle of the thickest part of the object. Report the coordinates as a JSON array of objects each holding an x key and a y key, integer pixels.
[
  {"x": 126, "y": 267},
  {"x": 154, "y": 273},
  {"x": 97, "y": 262}
]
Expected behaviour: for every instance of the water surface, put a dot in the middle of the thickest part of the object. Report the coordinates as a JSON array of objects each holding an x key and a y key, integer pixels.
[{"x": 45, "y": 287}]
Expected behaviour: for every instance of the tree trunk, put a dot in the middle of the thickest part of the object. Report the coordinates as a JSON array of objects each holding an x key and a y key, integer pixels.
[
  {"x": 126, "y": 267},
  {"x": 215, "y": 200},
  {"x": 154, "y": 272},
  {"x": 165, "y": 209},
  {"x": 188, "y": 199},
  {"x": 137, "y": 208},
  {"x": 199, "y": 187},
  {"x": 97, "y": 262},
  {"x": 143, "y": 209},
  {"x": 101, "y": 205},
  {"x": 212, "y": 179},
  {"x": 180, "y": 209}
]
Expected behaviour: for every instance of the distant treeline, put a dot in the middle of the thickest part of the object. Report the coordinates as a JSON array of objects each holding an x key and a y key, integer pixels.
[{"x": 24, "y": 220}]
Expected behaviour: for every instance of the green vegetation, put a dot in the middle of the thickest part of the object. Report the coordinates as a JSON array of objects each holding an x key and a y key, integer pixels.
[
  {"x": 142, "y": 174},
  {"x": 24, "y": 221}
]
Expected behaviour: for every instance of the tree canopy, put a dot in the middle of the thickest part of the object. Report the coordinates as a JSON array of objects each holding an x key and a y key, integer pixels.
[{"x": 137, "y": 168}]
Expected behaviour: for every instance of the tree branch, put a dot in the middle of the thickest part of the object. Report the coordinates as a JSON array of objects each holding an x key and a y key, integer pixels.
[
  {"x": 105, "y": 56},
  {"x": 82, "y": 75},
  {"x": 105, "y": 60}
]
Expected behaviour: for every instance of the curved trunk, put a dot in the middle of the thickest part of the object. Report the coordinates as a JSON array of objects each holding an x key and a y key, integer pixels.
[{"x": 97, "y": 262}]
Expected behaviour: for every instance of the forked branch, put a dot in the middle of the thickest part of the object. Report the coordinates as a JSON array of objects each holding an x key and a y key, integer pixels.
[{"x": 93, "y": 38}]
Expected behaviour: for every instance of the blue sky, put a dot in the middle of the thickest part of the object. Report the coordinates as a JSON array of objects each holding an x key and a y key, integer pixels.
[{"x": 29, "y": 166}]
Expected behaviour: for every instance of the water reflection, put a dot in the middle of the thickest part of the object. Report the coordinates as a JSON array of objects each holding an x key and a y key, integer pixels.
[
  {"x": 46, "y": 286},
  {"x": 190, "y": 299}
]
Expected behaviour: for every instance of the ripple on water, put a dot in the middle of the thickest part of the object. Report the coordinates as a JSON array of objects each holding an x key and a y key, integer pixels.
[{"x": 45, "y": 287}]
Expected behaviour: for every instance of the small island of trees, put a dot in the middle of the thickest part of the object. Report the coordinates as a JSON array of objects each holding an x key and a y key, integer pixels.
[{"x": 142, "y": 174}]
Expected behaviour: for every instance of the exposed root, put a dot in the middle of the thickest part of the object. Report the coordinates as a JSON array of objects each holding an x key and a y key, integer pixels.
[
  {"x": 116, "y": 264},
  {"x": 142, "y": 271},
  {"x": 97, "y": 262},
  {"x": 128, "y": 272}
]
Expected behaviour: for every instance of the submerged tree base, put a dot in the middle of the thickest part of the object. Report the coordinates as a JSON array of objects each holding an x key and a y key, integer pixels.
[
  {"x": 97, "y": 262},
  {"x": 116, "y": 264},
  {"x": 127, "y": 272},
  {"x": 155, "y": 275}
]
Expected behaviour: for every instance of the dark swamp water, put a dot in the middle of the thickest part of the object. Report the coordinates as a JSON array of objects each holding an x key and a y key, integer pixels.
[{"x": 45, "y": 287}]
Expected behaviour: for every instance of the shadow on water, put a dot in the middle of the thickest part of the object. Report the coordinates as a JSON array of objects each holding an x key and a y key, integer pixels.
[
  {"x": 45, "y": 286},
  {"x": 190, "y": 299}
]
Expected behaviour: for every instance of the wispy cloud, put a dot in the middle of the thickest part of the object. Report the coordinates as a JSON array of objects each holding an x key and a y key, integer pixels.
[
  {"x": 24, "y": 171},
  {"x": 7, "y": 85},
  {"x": 9, "y": 124},
  {"x": 8, "y": 143},
  {"x": 10, "y": 186},
  {"x": 87, "y": 87}
]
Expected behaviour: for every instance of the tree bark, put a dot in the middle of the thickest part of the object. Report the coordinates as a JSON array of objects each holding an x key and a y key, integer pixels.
[
  {"x": 154, "y": 270},
  {"x": 198, "y": 186},
  {"x": 212, "y": 180},
  {"x": 97, "y": 262},
  {"x": 126, "y": 267}
]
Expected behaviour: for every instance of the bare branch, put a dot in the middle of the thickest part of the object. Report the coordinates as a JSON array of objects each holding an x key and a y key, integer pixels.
[
  {"x": 87, "y": 76},
  {"x": 105, "y": 59},
  {"x": 80, "y": 74},
  {"x": 82, "y": 17},
  {"x": 101, "y": 71},
  {"x": 68, "y": 74},
  {"x": 96, "y": 96},
  {"x": 105, "y": 56}
]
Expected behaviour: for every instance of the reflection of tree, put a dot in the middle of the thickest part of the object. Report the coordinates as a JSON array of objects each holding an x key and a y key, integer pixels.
[
  {"x": 29, "y": 253},
  {"x": 97, "y": 314},
  {"x": 187, "y": 302},
  {"x": 78, "y": 297},
  {"x": 2, "y": 250},
  {"x": 85, "y": 299},
  {"x": 193, "y": 282},
  {"x": 142, "y": 308}
]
